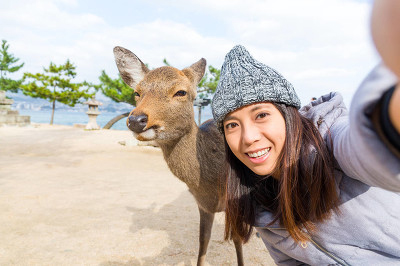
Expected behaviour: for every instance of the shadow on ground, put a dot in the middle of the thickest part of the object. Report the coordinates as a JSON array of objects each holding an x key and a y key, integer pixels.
[{"x": 182, "y": 229}]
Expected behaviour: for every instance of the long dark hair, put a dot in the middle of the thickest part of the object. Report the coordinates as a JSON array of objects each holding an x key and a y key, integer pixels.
[{"x": 304, "y": 194}]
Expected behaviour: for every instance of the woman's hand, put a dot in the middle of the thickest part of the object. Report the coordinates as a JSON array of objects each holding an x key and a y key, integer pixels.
[{"x": 385, "y": 29}]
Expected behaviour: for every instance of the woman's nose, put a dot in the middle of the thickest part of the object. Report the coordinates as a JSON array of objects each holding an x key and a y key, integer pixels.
[{"x": 250, "y": 134}]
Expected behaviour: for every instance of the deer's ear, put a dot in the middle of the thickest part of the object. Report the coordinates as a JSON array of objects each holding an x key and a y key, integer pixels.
[
  {"x": 196, "y": 71},
  {"x": 131, "y": 69}
]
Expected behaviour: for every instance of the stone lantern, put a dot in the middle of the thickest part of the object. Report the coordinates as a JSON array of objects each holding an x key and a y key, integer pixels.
[
  {"x": 5, "y": 104},
  {"x": 93, "y": 112},
  {"x": 8, "y": 116}
]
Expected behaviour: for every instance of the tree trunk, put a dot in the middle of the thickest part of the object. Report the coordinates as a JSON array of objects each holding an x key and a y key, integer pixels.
[
  {"x": 52, "y": 112},
  {"x": 115, "y": 120}
]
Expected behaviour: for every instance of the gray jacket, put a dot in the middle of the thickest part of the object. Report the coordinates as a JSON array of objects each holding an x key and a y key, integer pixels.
[{"x": 367, "y": 229}]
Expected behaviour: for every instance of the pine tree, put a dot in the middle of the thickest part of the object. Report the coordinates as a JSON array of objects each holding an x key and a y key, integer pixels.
[
  {"x": 118, "y": 91},
  {"x": 208, "y": 84},
  {"x": 6, "y": 67},
  {"x": 55, "y": 84}
]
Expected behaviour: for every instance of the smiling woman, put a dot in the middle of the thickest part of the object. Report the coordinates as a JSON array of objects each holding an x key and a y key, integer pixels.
[
  {"x": 304, "y": 178},
  {"x": 265, "y": 132}
]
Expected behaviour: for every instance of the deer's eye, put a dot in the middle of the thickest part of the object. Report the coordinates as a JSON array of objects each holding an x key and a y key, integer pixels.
[
  {"x": 180, "y": 93},
  {"x": 136, "y": 94}
]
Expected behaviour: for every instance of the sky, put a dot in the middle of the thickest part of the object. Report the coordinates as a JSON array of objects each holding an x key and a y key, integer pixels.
[{"x": 319, "y": 46}]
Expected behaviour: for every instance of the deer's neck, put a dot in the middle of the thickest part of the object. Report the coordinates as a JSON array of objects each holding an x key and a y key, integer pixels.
[{"x": 181, "y": 157}]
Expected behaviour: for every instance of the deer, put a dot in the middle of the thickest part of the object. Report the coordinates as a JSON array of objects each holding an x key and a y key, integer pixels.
[{"x": 164, "y": 113}]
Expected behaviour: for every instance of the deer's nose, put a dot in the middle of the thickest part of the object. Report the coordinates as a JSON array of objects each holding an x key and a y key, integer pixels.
[{"x": 137, "y": 123}]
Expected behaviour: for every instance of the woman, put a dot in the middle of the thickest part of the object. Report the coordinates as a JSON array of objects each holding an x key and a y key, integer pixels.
[{"x": 319, "y": 185}]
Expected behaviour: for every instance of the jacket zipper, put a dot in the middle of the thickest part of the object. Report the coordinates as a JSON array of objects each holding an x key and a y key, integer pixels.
[{"x": 331, "y": 255}]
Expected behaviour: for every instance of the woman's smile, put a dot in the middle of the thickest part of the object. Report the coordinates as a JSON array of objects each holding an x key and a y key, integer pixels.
[{"x": 259, "y": 156}]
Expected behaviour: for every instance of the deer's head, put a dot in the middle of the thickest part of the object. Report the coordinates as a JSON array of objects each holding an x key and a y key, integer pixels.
[{"x": 164, "y": 96}]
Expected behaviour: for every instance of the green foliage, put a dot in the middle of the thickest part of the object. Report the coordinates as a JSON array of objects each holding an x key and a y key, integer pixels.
[
  {"x": 6, "y": 66},
  {"x": 208, "y": 84},
  {"x": 116, "y": 89},
  {"x": 166, "y": 62},
  {"x": 55, "y": 84}
]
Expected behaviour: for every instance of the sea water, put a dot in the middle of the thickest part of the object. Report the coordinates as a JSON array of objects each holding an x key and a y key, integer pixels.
[{"x": 62, "y": 117}]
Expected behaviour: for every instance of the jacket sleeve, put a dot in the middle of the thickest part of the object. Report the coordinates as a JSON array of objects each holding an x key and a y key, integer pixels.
[{"x": 357, "y": 147}]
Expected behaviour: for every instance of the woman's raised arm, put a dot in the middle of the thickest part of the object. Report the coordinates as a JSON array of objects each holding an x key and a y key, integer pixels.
[{"x": 385, "y": 29}]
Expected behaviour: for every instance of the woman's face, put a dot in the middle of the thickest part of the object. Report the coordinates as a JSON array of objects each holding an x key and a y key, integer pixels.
[{"x": 256, "y": 135}]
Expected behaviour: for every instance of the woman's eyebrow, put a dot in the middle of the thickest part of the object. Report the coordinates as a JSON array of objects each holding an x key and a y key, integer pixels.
[
  {"x": 230, "y": 117},
  {"x": 260, "y": 106},
  {"x": 255, "y": 108}
]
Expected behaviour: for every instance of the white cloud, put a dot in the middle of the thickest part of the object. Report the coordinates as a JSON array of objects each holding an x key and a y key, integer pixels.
[
  {"x": 318, "y": 45},
  {"x": 321, "y": 73},
  {"x": 42, "y": 16}
]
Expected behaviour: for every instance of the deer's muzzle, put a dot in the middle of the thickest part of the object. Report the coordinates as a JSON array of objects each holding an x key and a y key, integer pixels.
[{"x": 137, "y": 123}]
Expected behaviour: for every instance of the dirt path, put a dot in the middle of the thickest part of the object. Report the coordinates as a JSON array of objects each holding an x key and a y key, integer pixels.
[{"x": 75, "y": 197}]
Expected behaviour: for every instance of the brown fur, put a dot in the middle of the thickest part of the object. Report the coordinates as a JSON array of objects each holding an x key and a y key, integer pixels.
[{"x": 195, "y": 155}]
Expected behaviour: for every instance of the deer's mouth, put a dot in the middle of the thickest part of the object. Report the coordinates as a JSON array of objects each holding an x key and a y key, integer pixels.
[{"x": 147, "y": 135}]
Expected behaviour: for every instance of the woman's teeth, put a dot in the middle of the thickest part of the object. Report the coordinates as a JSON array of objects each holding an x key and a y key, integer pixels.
[{"x": 259, "y": 153}]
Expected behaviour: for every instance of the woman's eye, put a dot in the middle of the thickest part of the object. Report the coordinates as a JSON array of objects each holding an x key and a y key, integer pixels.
[
  {"x": 262, "y": 115},
  {"x": 180, "y": 93},
  {"x": 231, "y": 125},
  {"x": 136, "y": 94}
]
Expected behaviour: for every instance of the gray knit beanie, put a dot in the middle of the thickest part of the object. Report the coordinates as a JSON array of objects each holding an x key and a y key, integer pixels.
[{"x": 244, "y": 81}]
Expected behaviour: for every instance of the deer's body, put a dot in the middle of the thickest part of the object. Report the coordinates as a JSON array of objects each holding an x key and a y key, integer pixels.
[
  {"x": 196, "y": 159},
  {"x": 165, "y": 114}
]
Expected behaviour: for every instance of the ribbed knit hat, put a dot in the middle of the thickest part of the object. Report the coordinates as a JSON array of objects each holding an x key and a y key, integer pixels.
[{"x": 244, "y": 81}]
